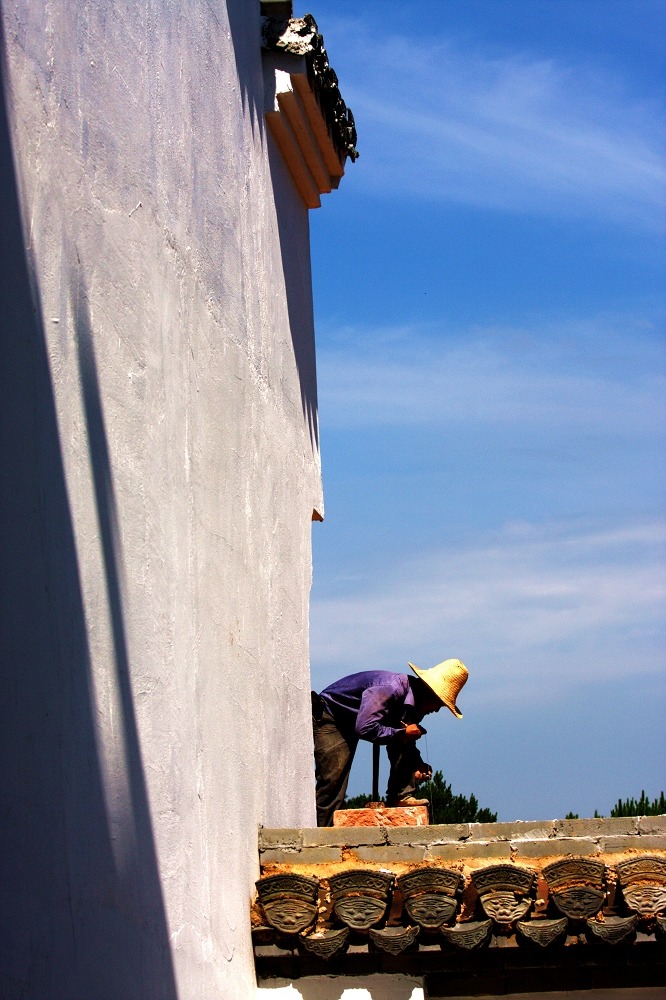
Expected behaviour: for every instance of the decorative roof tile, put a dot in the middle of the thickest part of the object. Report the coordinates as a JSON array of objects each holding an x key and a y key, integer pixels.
[
  {"x": 299, "y": 36},
  {"x": 405, "y": 913}
]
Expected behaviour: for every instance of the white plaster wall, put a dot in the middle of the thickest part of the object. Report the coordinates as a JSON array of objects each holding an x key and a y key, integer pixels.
[{"x": 166, "y": 522}]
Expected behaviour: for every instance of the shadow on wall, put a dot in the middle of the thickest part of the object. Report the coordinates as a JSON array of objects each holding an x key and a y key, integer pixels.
[
  {"x": 245, "y": 29},
  {"x": 294, "y": 236},
  {"x": 73, "y": 922},
  {"x": 293, "y": 226}
]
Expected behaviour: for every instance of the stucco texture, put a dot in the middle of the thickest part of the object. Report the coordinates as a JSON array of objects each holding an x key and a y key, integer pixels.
[{"x": 161, "y": 468}]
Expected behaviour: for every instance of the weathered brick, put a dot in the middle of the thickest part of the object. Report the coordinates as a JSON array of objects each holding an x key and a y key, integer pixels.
[
  {"x": 418, "y": 835},
  {"x": 656, "y": 842},
  {"x": 382, "y": 816},
  {"x": 320, "y": 855},
  {"x": 311, "y": 856},
  {"x": 512, "y": 831},
  {"x": 619, "y": 826},
  {"x": 461, "y": 841},
  {"x": 445, "y": 833},
  {"x": 279, "y": 856},
  {"x": 279, "y": 838},
  {"x": 652, "y": 825},
  {"x": 557, "y": 847},
  {"x": 468, "y": 849},
  {"x": 596, "y": 827},
  {"x": 385, "y": 855},
  {"x": 333, "y": 836},
  {"x": 532, "y": 848},
  {"x": 612, "y": 845}
]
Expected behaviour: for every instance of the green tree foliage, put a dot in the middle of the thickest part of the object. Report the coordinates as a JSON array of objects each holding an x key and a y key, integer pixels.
[
  {"x": 633, "y": 807},
  {"x": 450, "y": 808},
  {"x": 446, "y": 807},
  {"x": 640, "y": 807}
]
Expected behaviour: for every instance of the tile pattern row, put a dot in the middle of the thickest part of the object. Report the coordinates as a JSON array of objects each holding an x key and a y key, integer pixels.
[{"x": 576, "y": 896}]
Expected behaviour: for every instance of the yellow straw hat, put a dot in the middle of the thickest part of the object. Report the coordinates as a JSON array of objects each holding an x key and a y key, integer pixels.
[{"x": 447, "y": 680}]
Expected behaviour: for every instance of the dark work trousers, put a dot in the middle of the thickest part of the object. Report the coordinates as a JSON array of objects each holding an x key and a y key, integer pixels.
[{"x": 334, "y": 753}]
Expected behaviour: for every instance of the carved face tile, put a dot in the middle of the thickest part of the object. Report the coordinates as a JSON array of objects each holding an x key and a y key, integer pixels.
[
  {"x": 359, "y": 912},
  {"x": 430, "y": 910},
  {"x": 327, "y": 944},
  {"x": 394, "y": 940},
  {"x": 645, "y": 899},
  {"x": 503, "y": 878},
  {"x": 579, "y": 902},
  {"x": 291, "y": 916},
  {"x": 504, "y": 908},
  {"x": 430, "y": 879},
  {"x": 572, "y": 871},
  {"x": 468, "y": 936},
  {"x": 543, "y": 932},
  {"x": 288, "y": 884},
  {"x": 360, "y": 880},
  {"x": 649, "y": 868},
  {"x": 613, "y": 930}
]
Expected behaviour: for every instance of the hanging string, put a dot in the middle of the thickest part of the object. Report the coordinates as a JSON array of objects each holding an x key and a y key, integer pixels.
[{"x": 429, "y": 792}]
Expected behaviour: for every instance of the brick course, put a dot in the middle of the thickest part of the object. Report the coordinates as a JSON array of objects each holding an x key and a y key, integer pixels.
[{"x": 462, "y": 841}]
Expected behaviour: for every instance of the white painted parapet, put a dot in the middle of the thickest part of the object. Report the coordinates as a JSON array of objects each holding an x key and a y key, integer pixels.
[{"x": 160, "y": 473}]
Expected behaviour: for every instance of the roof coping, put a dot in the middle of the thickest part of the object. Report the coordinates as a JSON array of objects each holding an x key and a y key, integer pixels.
[{"x": 299, "y": 36}]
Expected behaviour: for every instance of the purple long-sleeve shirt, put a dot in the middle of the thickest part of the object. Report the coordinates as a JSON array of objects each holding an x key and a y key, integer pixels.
[{"x": 374, "y": 704}]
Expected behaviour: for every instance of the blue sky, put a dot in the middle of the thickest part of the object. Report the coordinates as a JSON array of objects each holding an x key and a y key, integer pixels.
[{"x": 490, "y": 304}]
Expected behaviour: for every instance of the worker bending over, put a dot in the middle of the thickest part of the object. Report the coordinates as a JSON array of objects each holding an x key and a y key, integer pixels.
[{"x": 381, "y": 707}]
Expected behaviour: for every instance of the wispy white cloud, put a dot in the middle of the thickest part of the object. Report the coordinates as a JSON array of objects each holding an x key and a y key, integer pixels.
[
  {"x": 531, "y": 607},
  {"x": 522, "y": 598},
  {"x": 437, "y": 439},
  {"x": 584, "y": 376},
  {"x": 509, "y": 132}
]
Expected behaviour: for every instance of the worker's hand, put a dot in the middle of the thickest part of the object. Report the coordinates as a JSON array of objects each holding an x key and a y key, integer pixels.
[
  {"x": 424, "y": 773},
  {"x": 411, "y": 732}
]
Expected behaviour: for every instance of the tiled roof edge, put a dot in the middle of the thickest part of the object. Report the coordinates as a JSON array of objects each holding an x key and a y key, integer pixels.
[{"x": 299, "y": 36}]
